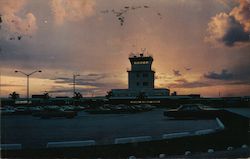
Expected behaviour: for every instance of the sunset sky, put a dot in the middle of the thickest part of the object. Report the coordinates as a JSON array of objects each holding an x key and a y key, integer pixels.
[{"x": 198, "y": 46}]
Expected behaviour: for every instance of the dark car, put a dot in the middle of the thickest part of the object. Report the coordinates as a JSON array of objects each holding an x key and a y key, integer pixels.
[
  {"x": 55, "y": 113},
  {"x": 191, "y": 111},
  {"x": 63, "y": 114}
]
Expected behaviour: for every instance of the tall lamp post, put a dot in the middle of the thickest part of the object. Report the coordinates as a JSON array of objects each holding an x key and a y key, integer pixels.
[
  {"x": 74, "y": 83},
  {"x": 28, "y": 76},
  {"x": 0, "y": 89}
]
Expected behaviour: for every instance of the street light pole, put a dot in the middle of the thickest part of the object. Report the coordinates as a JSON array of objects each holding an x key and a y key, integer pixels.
[
  {"x": 74, "y": 83},
  {"x": 28, "y": 88},
  {"x": 28, "y": 78},
  {"x": 0, "y": 89}
]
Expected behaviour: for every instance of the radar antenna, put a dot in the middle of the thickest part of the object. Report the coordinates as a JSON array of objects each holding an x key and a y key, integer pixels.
[{"x": 143, "y": 50}]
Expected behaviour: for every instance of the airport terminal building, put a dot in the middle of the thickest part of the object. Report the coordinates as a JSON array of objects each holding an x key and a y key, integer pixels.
[{"x": 141, "y": 80}]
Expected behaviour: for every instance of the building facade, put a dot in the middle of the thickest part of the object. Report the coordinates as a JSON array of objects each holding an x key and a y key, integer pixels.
[
  {"x": 141, "y": 76},
  {"x": 141, "y": 80}
]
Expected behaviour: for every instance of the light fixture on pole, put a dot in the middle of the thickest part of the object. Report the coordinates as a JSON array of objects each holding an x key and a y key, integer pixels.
[{"x": 28, "y": 76}]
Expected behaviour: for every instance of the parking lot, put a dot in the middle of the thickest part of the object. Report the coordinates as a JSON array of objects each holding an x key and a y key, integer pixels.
[{"x": 33, "y": 132}]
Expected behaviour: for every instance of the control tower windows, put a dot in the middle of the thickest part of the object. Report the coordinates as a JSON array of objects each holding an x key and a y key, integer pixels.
[
  {"x": 137, "y": 75},
  {"x": 141, "y": 75},
  {"x": 141, "y": 62},
  {"x": 145, "y": 75}
]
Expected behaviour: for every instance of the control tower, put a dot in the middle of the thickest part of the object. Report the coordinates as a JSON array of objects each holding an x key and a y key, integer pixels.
[
  {"x": 141, "y": 76},
  {"x": 141, "y": 80}
]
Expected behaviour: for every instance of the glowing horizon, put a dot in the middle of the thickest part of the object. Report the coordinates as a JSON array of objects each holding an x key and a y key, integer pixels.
[{"x": 192, "y": 43}]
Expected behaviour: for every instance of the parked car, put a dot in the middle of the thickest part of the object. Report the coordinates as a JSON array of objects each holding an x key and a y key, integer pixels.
[
  {"x": 7, "y": 111},
  {"x": 56, "y": 114},
  {"x": 191, "y": 111},
  {"x": 120, "y": 109},
  {"x": 22, "y": 110},
  {"x": 53, "y": 112}
]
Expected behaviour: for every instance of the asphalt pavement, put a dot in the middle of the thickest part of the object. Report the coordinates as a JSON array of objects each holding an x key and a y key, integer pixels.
[{"x": 33, "y": 132}]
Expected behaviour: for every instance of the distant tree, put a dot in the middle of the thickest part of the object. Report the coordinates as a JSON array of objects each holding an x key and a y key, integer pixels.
[
  {"x": 109, "y": 94},
  {"x": 174, "y": 94},
  {"x": 77, "y": 95},
  {"x": 46, "y": 96},
  {"x": 14, "y": 96}
]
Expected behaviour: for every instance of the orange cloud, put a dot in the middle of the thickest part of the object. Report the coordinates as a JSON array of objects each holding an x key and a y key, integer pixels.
[
  {"x": 13, "y": 23},
  {"x": 71, "y": 10},
  {"x": 242, "y": 14}
]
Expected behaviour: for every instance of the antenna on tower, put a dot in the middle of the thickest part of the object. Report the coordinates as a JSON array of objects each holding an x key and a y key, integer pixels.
[{"x": 143, "y": 50}]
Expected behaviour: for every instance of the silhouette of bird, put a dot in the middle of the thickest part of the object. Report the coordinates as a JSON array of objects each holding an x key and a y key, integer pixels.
[
  {"x": 135, "y": 7},
  {"x": 120, "y": 15},
  {"x": 177, "y": 73},
  {"x": 188, "y": 68},
  {"x": 159, "y": 14},
  {"x": 16, "y": 35},
  {"x": 121, "y": 19},
  {"x": 105, "y": 11}
]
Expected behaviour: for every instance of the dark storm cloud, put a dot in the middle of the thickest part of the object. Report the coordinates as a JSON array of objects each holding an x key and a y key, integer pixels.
[
  {"x": 194, "y": 84},
  {"x": 183, "y": 83},
  {"x": 223, "y": 75},
  {"x": 26, "y": 54},
  {"x": 80, "y": 82},
  {"x": 93, "y": 74},
  {"x": 240, "y": 83},
  {"x": 239, "y": 73},
  {"x": 69, "y": 90},
  {"x": 235, "y": 33},
  {"x": 91, "y": 77},
  {"x": 231, "y": 28},
  {"x": 65, "y": 91},
  {"x": 94, "y": 80},
  {"x": 98, "y": 76},
  {"x": 92, "y": 84}
]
